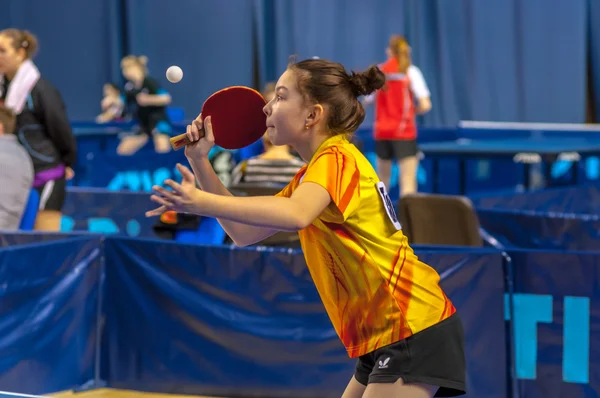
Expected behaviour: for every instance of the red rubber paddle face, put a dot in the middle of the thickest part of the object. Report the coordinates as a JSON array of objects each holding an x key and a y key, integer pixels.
[{"x": 237, "y": 116}]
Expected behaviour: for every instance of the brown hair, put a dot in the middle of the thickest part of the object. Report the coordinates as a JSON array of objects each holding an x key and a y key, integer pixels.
[
  {"x": 141, "y": 61},
  {"x": 328, "y": 83},
  {"x": 22, "y": 39},
  {"x": 8, "y": 120},
  {"x": 401, "y": 51}
]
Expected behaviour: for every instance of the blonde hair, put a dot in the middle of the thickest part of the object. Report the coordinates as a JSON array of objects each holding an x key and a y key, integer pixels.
[
  {"x": 141, "y": 61},
  {"x": 22, "y": 39},
  {"x": 8, "y": 120},
  {"x": 401, "y": 51}
]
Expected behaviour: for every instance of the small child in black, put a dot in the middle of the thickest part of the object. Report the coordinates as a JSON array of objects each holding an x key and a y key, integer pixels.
[{"x": 150, "y": 102}]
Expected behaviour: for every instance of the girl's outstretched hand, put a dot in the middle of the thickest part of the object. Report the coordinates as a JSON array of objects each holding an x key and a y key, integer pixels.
[{"x": 183, "y": 198}]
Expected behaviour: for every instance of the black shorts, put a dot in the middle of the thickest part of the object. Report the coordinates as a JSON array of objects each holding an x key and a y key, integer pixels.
[
  {"x": 434, "y": 356},
  {"x": 52, "y": 194},
  {"x": 395, "y": 149}
]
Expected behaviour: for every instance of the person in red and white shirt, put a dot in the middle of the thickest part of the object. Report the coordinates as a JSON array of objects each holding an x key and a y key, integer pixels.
[{"x": 404, "y": 95}]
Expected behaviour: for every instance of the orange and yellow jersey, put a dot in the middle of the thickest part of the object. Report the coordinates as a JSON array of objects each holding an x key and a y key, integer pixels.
[{"x": 374, "y": 288}]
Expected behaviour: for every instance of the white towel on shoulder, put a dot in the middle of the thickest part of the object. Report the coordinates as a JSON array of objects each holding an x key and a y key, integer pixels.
[{"x": 20, "y": 87}]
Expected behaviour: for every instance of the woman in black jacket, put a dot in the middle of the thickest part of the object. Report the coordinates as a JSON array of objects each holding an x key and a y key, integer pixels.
[{"x": 43, "y": 126}]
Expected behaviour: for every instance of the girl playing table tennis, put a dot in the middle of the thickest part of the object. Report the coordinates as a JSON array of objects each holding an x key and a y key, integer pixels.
[{"x": 386, "y": 306}]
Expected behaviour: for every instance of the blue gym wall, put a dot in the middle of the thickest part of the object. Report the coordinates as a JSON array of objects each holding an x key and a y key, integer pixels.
[{"x": 502, "y": 61}]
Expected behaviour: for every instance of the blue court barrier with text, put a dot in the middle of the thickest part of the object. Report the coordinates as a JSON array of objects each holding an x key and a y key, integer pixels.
[
  {"x": 166, "y": 317},
  {"x": 530, "y": 310},
  {"x": 557, "y": 326}
]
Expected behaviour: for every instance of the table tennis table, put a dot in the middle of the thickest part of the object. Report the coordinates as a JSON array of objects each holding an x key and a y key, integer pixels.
[{"x": 526, "y": 150}]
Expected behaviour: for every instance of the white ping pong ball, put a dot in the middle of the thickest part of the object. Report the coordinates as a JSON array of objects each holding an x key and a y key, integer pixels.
[{"x": 174, "y": 74}]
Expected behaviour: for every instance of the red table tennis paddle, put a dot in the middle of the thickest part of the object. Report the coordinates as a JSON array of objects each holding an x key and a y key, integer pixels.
[{"x": 237, "y": 118}]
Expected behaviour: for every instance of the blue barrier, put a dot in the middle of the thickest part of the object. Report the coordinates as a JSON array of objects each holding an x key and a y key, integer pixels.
[
  {"x": 122, "y": 213},
  {"x": 33, "y": 237},
  {"x": 225, "y": 322},
  {"x": 575, "y": 200},
  {"x": 253, "y": 320},
  {"x": 107, "y": 212},
  {"x": 474, "y": 281},
  {"x": 536, "y": 230},
  {"x": 565, "y": 218},
  {"x": 49, "y": 300},
  {"x": 212, "y": 320},
  {"x": 215, "y": 320}
]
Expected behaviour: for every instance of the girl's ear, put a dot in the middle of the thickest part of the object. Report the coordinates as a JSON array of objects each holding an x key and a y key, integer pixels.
[{"x": 315, "y": 115}]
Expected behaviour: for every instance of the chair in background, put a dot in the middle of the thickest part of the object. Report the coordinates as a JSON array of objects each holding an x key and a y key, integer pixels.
[
  {"x": 31, "y": 210},
  {"x": 430, "y": 219},
  {"x": 250, "y": 189}
]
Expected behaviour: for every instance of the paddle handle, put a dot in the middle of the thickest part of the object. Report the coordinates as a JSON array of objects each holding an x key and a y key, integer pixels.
[{"x": 181, "y": 140}]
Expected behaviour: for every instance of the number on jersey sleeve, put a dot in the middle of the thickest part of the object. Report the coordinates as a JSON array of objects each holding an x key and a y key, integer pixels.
[{"x": 389, "y": 206}]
